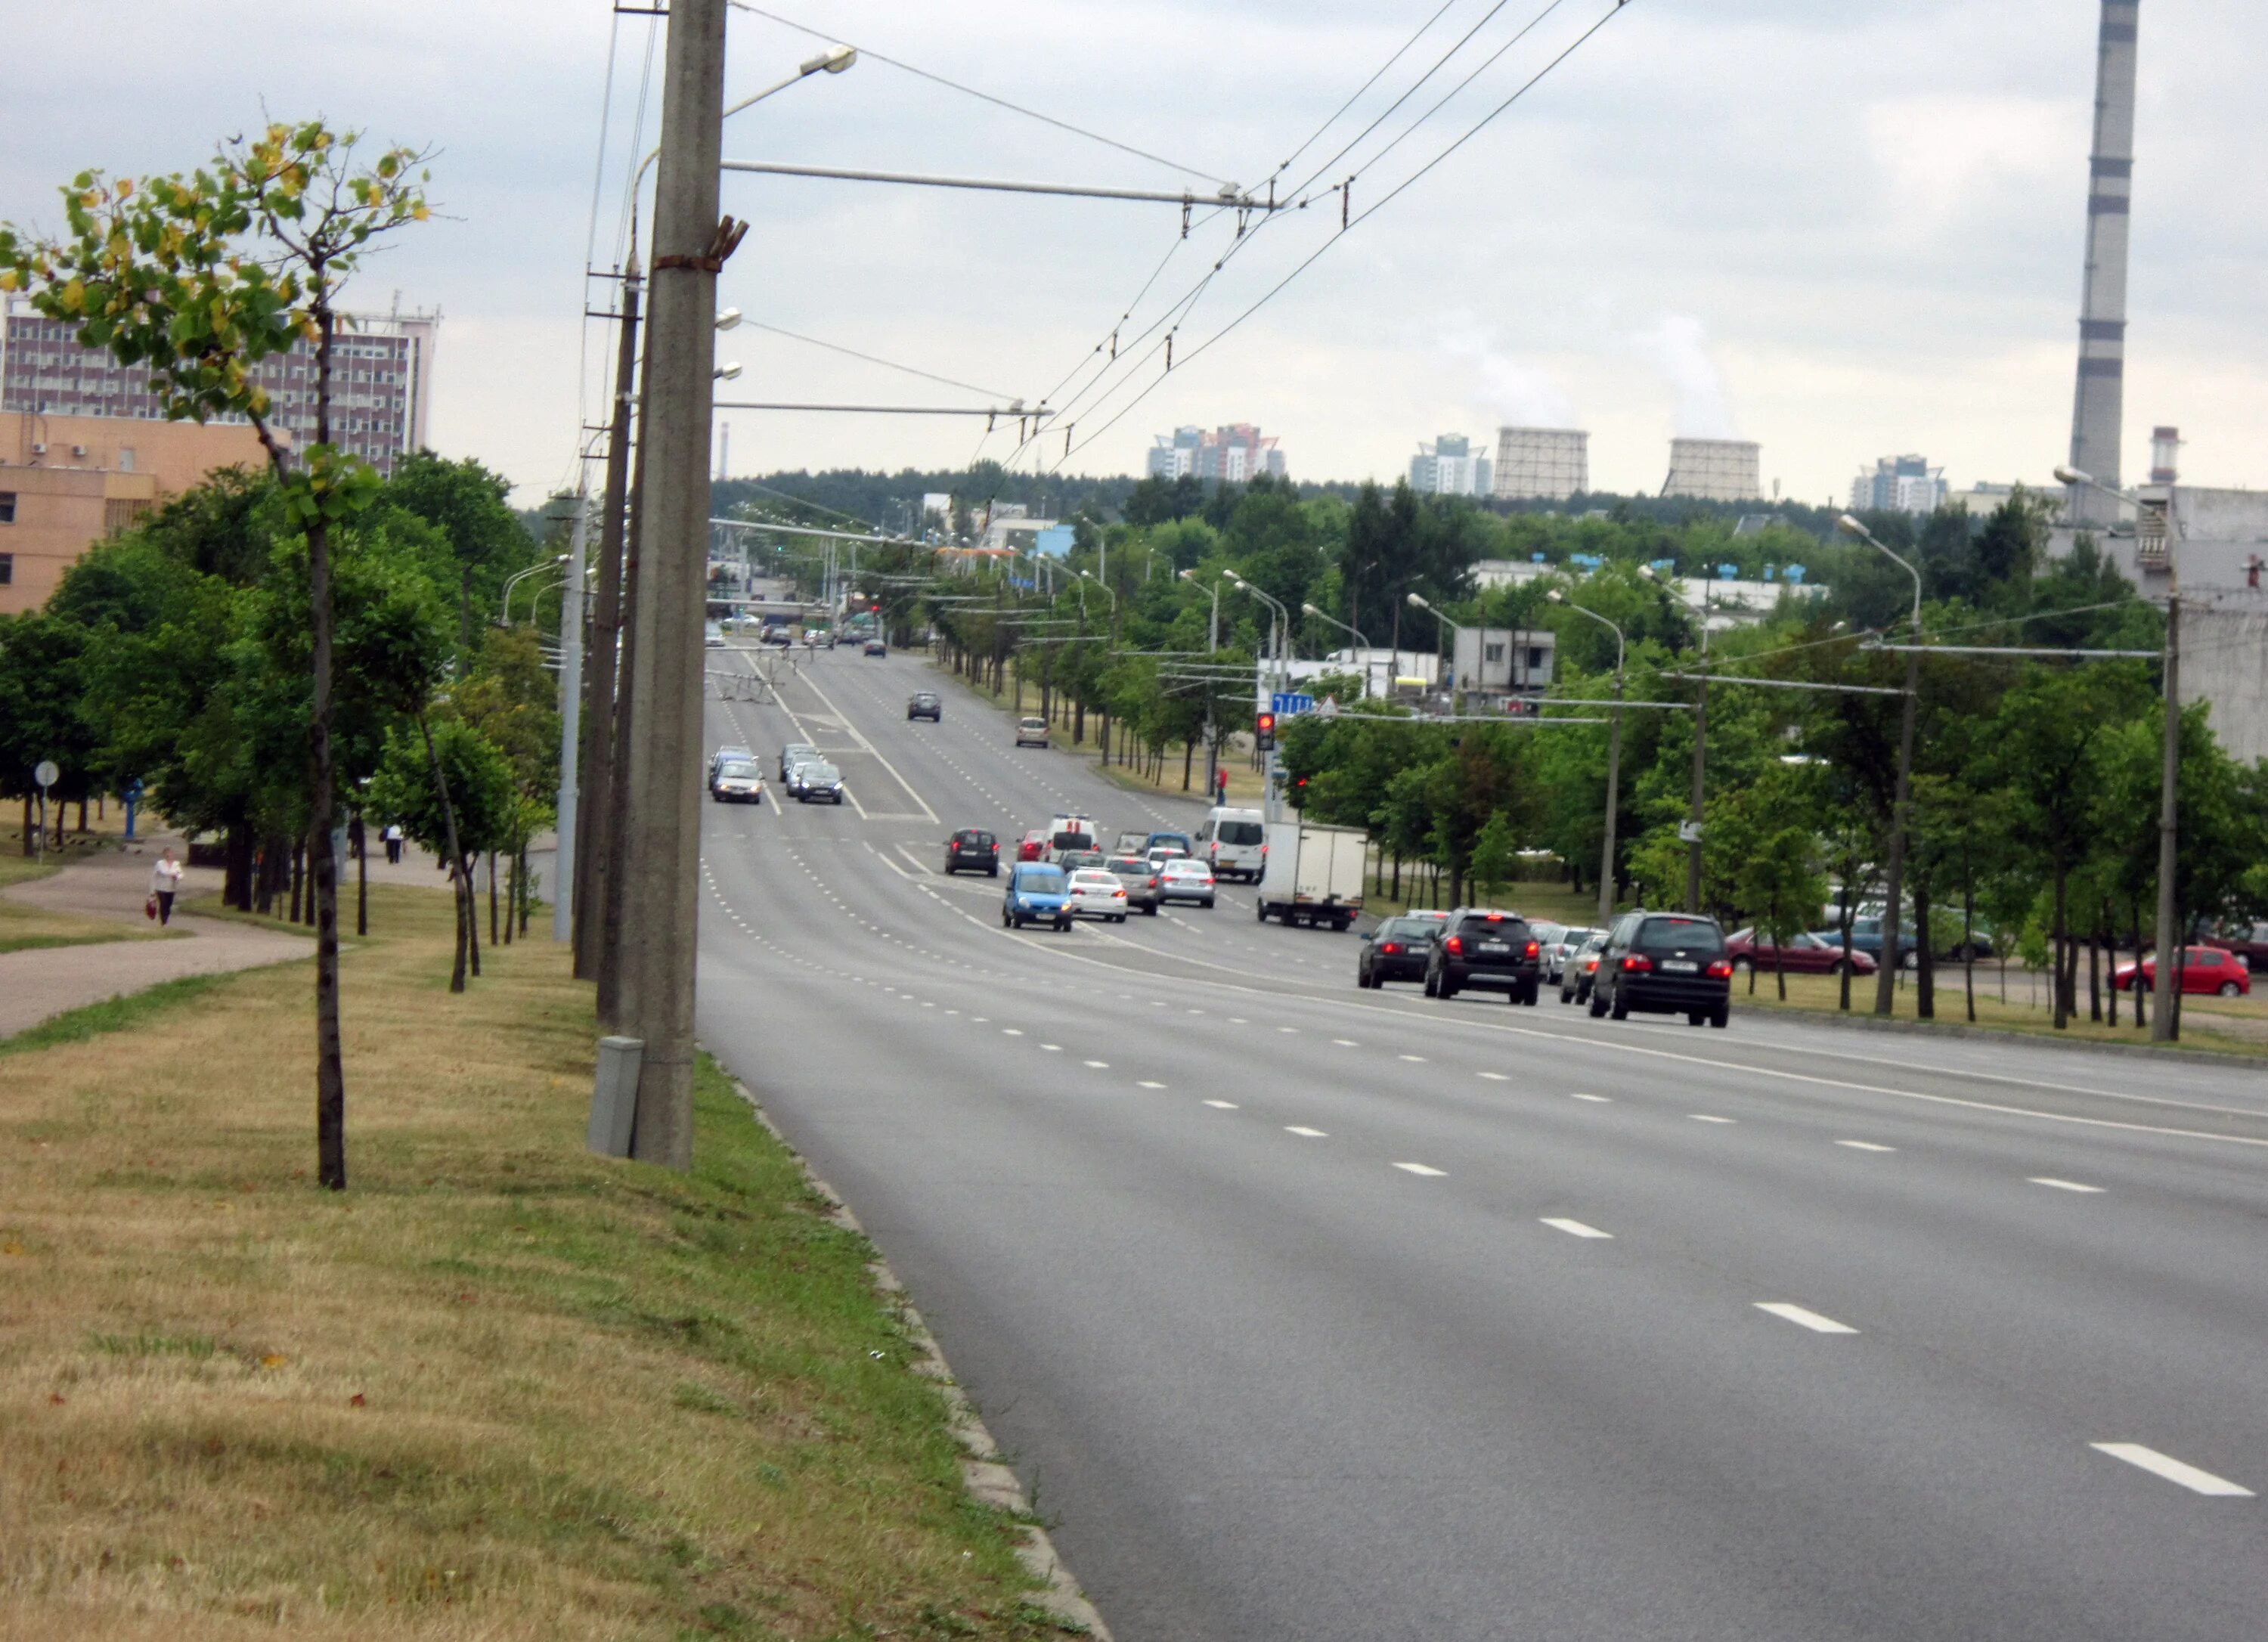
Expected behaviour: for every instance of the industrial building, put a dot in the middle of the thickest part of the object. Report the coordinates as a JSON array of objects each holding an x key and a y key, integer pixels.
[
  {"x": 1715, "y": 470},
  {"x": 1448, "y": 466},
  {"x": 1504, "y": 661},
  {"x": 381, "y": 382},
  {"x": 1541, "y": 464},
  {"x": 1899, "y": 484},
  {"x": 1232, "y": 454}
]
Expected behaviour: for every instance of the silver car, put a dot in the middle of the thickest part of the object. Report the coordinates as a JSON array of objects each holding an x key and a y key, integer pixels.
[
  {"x": 1560, "y": 947},
  {"x": 1184, "y": 879}
]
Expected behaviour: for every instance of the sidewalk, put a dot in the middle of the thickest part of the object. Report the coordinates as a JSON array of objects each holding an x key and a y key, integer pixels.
[{"x": 35, "y": 985}]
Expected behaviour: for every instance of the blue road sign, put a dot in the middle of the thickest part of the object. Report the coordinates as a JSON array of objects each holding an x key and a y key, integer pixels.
[{"x": 1289, "y": 703}]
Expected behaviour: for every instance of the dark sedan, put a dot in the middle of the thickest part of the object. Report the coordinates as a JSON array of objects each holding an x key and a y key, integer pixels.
[
  {"x": 1396, "y": 951},
  {"x": 925, "y": 704}
]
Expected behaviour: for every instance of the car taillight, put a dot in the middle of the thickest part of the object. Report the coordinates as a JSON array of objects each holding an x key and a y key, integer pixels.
[
  {"x": 1390, "y": 946},
  {"x": 1635, "y": 964},
  {"x": 1533, "y": 949},
  {"x": 995, "y": 849},
  {"x": 1721, "y": 968},
  {"x": 1454, "y": 945},
  {"x": 1154, "y": 883}
]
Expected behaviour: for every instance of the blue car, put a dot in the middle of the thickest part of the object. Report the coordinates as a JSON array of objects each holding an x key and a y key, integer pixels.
[{"x": 1037, "y": 893}]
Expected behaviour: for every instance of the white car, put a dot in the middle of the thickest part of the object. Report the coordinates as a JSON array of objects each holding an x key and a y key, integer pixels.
[
  {"x": 1184, "y": 879},
  {"x": 1095, "y": 893}
]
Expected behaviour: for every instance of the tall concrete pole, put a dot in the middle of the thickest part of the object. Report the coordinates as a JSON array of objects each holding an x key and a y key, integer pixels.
[
  {"x": 563, "y": 856},
  {"x": 598, "y": 808},
  {"x": 661, "y": 899},
  {"x": 2099, "y": 401},
  {"x": 2165, "y": 1003}
]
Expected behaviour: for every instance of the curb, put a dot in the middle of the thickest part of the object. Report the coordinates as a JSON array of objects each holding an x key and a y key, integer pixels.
[
  {"x": 983, "y": 1471},
  {"x": 2001, "y": 1034}
]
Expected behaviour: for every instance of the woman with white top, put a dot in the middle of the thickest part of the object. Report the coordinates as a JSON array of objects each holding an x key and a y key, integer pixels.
[{"x": 165, "y": 883}]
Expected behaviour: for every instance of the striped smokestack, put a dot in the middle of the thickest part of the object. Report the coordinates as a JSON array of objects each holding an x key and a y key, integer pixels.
[{"x": 2101, "y": 397}]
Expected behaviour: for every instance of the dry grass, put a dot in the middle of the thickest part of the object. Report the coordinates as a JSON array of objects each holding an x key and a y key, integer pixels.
[
  {"x": 23, "y": 928},
  {"x": 2238, "y": 1026},
  {"x": 501, "y": 1390}
]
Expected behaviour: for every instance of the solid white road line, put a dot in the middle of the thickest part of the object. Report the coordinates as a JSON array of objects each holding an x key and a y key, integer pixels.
[
  {"x": 2173, "y": 1470},
  {"x": 1312, "y": 1134},
  {"x": 1420, "y": 1168},
  {"x": 1225, "y": 1106},
  {"x": 2060, "y": 1185},
  {"x": 1704, "y": 1117},
  {"x": 1864, "y": 1145},
  {"x": 1810, "y": 1320},
  {"x": 1576, "y": 1229}
]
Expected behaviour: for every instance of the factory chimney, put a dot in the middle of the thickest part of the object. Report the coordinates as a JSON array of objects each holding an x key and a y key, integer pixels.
[{"x": 2099, "y": 401}]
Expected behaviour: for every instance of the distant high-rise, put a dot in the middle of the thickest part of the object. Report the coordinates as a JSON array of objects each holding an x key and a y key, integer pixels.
[
  {"x": 381, "y": 382},
  {"x": 1541, "y": 464},
  {"x": 1899, "y": 484},
  {"x": 1233, "y": 454},
  {"x": 1448, "y": 466},
  {"x": 1715, "y": 470},
  {"x": 2100, "y": 400}
]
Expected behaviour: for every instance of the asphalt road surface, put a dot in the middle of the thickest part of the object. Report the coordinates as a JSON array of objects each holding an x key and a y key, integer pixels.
[{"x": 1327, "y": 1316}]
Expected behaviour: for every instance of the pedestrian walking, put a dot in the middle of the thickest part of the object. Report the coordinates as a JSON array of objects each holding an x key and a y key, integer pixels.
[
  {"x": 164, "y": 883},
  {"x": 394, "y": 843}
]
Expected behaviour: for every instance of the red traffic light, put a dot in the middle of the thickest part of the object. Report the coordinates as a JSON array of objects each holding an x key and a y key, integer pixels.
[{"x": 1264, "y": 731}]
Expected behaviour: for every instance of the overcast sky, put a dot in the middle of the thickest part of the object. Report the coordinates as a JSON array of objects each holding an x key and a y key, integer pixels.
[{"x": 1843, "y": 228}]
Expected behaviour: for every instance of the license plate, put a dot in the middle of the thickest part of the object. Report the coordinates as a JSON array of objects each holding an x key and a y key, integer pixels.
[
  {"x": 1680, "y": 965},
  {"x": 1493, "y": 949}
]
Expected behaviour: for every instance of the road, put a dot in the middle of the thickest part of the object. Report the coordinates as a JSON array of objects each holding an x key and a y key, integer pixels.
[{"x": 1313, "y": 1314}]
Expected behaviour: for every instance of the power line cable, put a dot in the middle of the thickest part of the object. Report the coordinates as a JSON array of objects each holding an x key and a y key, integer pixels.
[
  {"x": 1388, "y": 198},
  {"x": 930, "y": 376},
  {"x": 1284, "y": 163},
  {"x": 970, "y": 91}
]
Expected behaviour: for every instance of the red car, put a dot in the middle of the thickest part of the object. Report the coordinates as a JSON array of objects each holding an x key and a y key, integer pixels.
[
  {"x": 2204, "y": 969},
  {"x": 1804, "y": 954},
  {"x": 1033, "y": 847}
]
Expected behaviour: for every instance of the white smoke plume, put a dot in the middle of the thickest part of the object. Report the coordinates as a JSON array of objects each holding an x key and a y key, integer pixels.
[
  {"x": 1678, "y": 346},
  {"x": 1518, "y": 395}
]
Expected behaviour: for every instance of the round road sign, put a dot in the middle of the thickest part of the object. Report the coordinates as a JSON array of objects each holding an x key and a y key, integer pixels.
[{"x": 46, "y": 774}]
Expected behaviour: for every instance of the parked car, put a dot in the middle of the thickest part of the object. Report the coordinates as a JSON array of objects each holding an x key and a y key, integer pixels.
[
  {"x": 2247, "y": 941},
  {"x": 1802, "y": 955},
  {"x": 712, "y": 636},
  {"x": 738, "y": 781},
  {"x": 1141, "y": 883},
  {"x": 1183, "y": 880},
  {"x": 1867, "y": 937},
  {"x": 876, "y": 647},
  {"x": 1397, "y": 950},
  {"x": 925, "y": 704},
  {"x": 972, "y": 850},
  {"x": 1233, "y": 842},
  {"x": 1033, "y": 846},
  {"x": 1664, "y": 963},
  {"x": 2203, "y": 969},
  {"x": 1556, "y": 953},
  {"x": 813, "y": 780},
  {"x": 793, "y": 754},
  {"x": 1581, "y": 968},
  {"x": 1096, "y": 893},
  {"x": 1031, "y": 731},
  {"x": 1482, "y": 949},
  {"x": 1036, "y": 894}
]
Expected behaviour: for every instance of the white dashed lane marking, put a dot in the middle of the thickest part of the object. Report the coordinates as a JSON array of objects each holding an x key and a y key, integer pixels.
[
  {"x": 1576, "y": 1229},
  {"x": 2173, "y": 1470},
  {"x": 2061, "y": 1185},
  {"x": 1420, "y": 1168},
  {"x": 1864, "y": 1145},
  {"x": 1312, "y": 1134},
  {"x": 1803, "y": 1318},
  {"x": 1225, "y": 1106}
]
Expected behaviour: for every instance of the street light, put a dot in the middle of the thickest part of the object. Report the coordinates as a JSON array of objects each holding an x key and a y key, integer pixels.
[
  {"x": 726, "y": 373},
  {"x": 1614, "y": 760},
  {"x": 1417, "y": 602},
  {"x": 503, "y": 617},
  {"x": 1886, "y": 976},
  {"x": 2163, "y": 1025},
  {"x": 1212, "y": 645},
  {"x": 728, "y": 319},
  {"x": 834, "y": 60},
  {"x": 1691, "y": 831},
  {"x": 1091, "y": 577},
  {"x": 1325, "y": 616}
]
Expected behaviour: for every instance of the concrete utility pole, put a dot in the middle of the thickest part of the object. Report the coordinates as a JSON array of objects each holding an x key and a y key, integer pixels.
[
  {"x": 570, "y": 712},
  {"x": 597, "y": 812},
  {"x": 661, "y": 832},
  {"x": 1893, "y": 957}
]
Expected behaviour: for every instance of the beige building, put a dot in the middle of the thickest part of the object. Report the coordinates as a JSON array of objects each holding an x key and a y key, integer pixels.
[{"x": 66, "y": 482}]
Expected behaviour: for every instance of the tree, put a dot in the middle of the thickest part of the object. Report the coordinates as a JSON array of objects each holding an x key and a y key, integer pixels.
[
  {"x": 40, "y": 682},
  {"x": 1496, "y": 856},
  {"x": 201, "y": 277},
  {"x": 450, "y": 789}
]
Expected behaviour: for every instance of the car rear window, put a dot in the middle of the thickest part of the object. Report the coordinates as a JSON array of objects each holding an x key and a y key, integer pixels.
[
  {"x": 1679, "y": 935},
  {"x": 982, "y": 840},
  {"x": 1125, "y": 867},
  {"x": 1045, "y": 879},
  {"x": 1241, "y": 832},
  {"x": 1408, "y": 929},
  {"x": 1096, "y": 877},
  {"x": 1073, "y": 841},
  {"x": 1185, "y": 868},
  {"x": 1504, "y": 926}
]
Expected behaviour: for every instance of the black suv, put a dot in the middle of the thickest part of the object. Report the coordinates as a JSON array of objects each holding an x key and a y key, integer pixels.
[
  {"x": 1487, "y": 951},
  {"x": 925, "y": 704},
  {"x": 1665, "y": 963},
  {"x": 972, "y": 850}
]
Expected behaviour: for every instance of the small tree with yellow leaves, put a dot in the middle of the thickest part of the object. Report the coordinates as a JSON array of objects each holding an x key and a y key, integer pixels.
[{"x": 199, "y": 277}]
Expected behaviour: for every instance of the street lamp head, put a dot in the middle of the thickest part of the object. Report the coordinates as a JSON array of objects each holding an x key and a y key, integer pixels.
[
  {"x": 1235, "y": 580},
  {"x": 834, "y": 60},
  {"x": 728, "y": 319},
  {"x": 1555, "y": 596},
  {"x": 1310, "y": 609},
  {"x": 1417, "y": 602},
  {"x": 1850, "y": 525},
  {"x": 2071, "y": 475},
  {"x": 726, "y": 373}
]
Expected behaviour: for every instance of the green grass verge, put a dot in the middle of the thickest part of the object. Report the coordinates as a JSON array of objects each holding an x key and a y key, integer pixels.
[{"x": 112, "y": 1014}]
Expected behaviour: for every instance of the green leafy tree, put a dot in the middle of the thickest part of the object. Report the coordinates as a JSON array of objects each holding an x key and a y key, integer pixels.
[
  {"x": 1496, "y": 856},
  {"x": 449, "y": 788},
  {"x": 199, "y": 277}
]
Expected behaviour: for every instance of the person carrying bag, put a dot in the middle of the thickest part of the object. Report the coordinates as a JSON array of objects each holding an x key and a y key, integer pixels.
[{"x": 165, "y": 884}]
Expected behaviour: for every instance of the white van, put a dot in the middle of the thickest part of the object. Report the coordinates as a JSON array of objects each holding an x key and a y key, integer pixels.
[{"x": 1234, "y": 843}]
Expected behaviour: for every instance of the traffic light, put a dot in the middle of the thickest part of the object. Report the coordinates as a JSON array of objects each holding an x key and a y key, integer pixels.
[{"x": 1264, "y": 731}]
